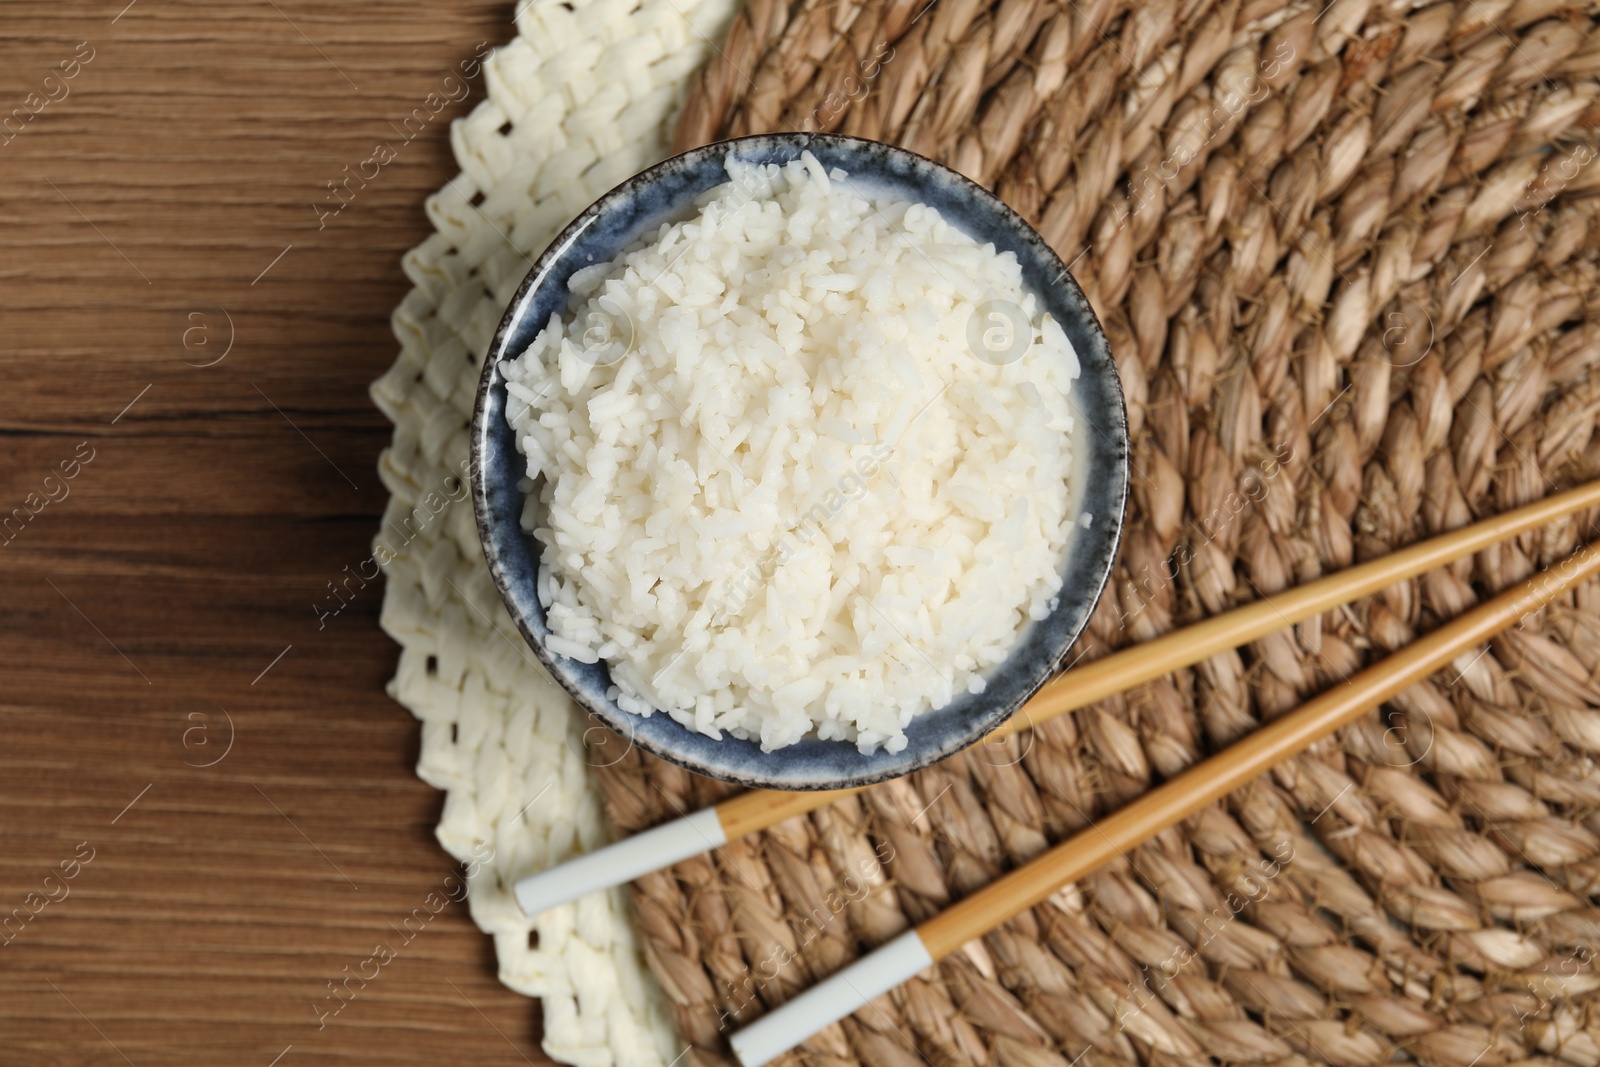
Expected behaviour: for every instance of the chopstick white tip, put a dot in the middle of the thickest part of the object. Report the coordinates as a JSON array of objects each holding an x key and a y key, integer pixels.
[
  {"x": 831, "y": 1000},
  {"x": 622, "y": 862}
]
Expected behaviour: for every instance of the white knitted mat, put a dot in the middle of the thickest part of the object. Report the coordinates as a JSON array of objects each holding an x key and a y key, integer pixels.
[{"x": 581, "y": 99}]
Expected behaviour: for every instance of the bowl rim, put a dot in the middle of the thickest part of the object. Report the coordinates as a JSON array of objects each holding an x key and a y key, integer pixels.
[{"x": 981, "y": 726}]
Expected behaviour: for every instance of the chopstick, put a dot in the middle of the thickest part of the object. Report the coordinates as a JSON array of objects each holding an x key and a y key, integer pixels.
[
  {"x": 746, "y": 813},
  {"x": 1162, "y": 807}
]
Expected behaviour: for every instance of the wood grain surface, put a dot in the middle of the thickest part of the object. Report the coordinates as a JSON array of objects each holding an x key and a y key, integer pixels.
[{"x": 158, "y": 217}]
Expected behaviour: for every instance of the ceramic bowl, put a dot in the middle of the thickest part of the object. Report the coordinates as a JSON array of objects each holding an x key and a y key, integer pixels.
[{"x": 1098, "y": 485}]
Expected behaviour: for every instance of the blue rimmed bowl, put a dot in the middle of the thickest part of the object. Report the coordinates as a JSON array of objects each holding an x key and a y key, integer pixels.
[{"x": 1098, "y": 484}]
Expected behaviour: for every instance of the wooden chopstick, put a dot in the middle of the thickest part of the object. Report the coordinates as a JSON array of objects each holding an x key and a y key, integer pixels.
[
  {"x": 1162, "y": 807},
  {"x": 1082, "y": 685}
]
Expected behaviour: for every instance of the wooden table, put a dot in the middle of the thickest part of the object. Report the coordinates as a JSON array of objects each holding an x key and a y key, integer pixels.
[{"x": 157, "y": 206}]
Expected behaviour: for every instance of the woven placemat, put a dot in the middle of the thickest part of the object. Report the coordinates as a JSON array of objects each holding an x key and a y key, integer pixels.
[
  {"x": 1346, "y": 254},
  {"x": 580, "y": 99}
]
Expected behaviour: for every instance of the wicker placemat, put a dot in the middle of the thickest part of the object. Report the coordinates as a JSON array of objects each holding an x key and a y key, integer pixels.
[{"x": 1346, "y": 253}]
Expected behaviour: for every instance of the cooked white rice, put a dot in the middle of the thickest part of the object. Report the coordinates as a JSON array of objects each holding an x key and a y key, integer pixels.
[{"x": 778, "y": 490}]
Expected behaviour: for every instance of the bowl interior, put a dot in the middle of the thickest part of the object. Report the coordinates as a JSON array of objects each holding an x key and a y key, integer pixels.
[{"x": 1098, "y": 484}]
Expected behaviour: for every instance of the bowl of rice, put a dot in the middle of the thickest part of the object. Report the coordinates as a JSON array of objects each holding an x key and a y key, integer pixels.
[{"x": 800, "y": 461}]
